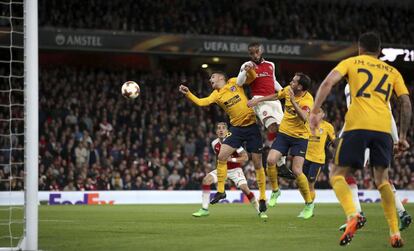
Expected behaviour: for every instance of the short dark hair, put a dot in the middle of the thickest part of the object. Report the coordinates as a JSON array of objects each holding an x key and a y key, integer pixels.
[
  {"x": 221, "y": 73},
  {"x": 221, "y": 123},
  {"x": 370, "y": 41},
  {"x": 254, "y": 44},
  {"x": 304, "y": 80}
]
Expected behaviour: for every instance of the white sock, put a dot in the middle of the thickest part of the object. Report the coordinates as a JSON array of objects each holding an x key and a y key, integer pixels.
[
  {"x": 355, "y": 198},
  {"x": 205, "y": 199},
  {"x": 398, "y": 203},
  {"x": 255, "y": 204}
]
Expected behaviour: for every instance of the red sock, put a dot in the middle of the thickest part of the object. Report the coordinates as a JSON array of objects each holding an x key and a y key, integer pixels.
[
  {"x": 250, "y": 196},
  {"x": 350, "y": 180},
  {"x": 271, "y": 136},
  {"x": 205, "y": 187}
]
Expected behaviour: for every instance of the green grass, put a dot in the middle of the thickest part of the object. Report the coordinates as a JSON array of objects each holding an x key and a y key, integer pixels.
[{"x": 229, "y": 227}]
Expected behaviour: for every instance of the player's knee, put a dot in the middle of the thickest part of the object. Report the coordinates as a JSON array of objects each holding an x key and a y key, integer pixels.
[
  {"x": 273, "y": 128},
  {"x": 208, "y": 180},
  {"x": 297, "y": 171},
  {"x": 257, "y": 160}
]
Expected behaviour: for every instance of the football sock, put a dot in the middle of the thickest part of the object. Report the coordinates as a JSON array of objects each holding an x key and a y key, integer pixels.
[
  {"x": 388, "y": 204},
  {"x": 272, "y": 173},
  {"x": 313, "y": 195},
  {"x": 253, "y": 201},
  {"x": 303, "y": 186},
  {"x": 261, "y": 182},
  {"x": 344, "y": 195},
  {"x": 221, "y": 175},
  {"x": 398, "y": 203},
  {"x": 354, "y": 190},
  {"x": 205, "y": 196}
]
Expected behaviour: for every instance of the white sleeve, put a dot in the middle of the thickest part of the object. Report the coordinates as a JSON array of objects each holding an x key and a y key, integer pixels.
[
  {"x": 278, "y": 87},
  {"x": 213, "y": 143},
  {"x": 241, "y": 78},
  {"x": 394, "y": 130},
  {"x": 347, "y": 95},
  {"x": 240, "y": 150}
]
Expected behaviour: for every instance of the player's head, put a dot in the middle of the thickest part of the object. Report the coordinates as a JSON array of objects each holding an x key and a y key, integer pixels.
[
  {"x": 300, "y": 82},
  {"x": 221, "y": 130},
  {"x": 255, "y": 51},
  {"x": 369, "y": 43},
  {"x": 218, "y": 79}
]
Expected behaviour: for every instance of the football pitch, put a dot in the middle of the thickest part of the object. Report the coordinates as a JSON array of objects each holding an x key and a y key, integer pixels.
[{"x": 229, "y": 227}]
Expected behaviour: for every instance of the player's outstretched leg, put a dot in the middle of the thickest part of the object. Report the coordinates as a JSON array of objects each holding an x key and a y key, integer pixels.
[
  {"x": 405, "y": 218},
  {"x": 253, "y": 201},
  {"x": 205, "y": 196}
]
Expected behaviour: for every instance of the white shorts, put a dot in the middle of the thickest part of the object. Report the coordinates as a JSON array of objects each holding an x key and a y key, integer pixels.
[
  {"x": 269, "y": 109},
  {"x": 236, "y": 175}
]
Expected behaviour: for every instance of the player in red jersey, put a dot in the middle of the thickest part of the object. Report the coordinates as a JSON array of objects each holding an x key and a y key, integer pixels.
[
  {"x": 234, "y": 172},
  {"x": 260, "y": 75}
]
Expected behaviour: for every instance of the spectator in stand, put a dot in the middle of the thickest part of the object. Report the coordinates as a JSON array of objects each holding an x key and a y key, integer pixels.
[{"x": 275, "y": 19}]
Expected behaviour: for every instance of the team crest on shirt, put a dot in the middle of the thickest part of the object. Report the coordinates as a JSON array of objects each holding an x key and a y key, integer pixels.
[
  {"x": 233, "y": 88},
  {"x": 264, "y": 113}
]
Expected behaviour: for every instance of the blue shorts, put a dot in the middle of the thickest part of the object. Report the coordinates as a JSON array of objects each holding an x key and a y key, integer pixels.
[
  {"x": 352, "y": 144},
  {"x": 249, "y": 134},
  {"x": 285, "y": 142},
  {"x": 312, "y": 170}
]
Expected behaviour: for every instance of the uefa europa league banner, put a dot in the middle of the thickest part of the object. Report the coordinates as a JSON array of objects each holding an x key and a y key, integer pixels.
[{"x": 202, "y": 45}]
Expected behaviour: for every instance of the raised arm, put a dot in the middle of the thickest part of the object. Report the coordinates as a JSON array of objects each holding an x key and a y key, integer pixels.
[
  {"x": 255, "y": 101},
  {"x": 198, "y": 101},
  {"x": 242, "y": 158},
  {"x": 246, "y": 68},
  {"x": 302, "y": 112}
]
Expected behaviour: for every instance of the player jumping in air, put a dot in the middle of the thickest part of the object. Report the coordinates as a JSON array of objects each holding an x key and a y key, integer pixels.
[
  {"x": 263, "y": 83},
  {"x": 293, "y": 132},
  {"x": 232, "y": 99},
  {"x": 234, "y": 172},
  {"x": 367, "y": 125}
]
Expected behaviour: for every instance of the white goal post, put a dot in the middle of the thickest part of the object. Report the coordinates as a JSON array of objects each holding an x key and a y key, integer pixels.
[
  {"x": 31, "y": 82},
  {"x": 29, "y": 239}
]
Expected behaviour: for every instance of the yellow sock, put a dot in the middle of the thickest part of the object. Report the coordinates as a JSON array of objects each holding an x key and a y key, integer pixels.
[
  {"x": 303, "y": 185},
  {"x": 388, "y": 204},
  {"x": 221, "y": 175},
  {"x": 272, "y": 173},
  {"x": 261, "y": 182},
  {"x": 344, "y": 195},
  {"x": 313, "y": 195}
]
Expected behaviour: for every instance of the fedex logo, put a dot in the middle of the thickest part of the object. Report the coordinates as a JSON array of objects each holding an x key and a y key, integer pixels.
[
  {"x": 88, "y": 199},
  {"x": 370, "y": 198}
]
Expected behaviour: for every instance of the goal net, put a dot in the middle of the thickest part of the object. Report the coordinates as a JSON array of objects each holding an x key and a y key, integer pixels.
[{"x": 18, "y": 125}]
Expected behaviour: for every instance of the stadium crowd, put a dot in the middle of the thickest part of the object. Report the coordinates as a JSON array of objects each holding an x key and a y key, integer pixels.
[
  {"x": 91, "y": 138},
  {"x": 298, "y": 19}
]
